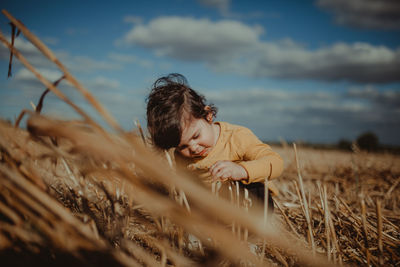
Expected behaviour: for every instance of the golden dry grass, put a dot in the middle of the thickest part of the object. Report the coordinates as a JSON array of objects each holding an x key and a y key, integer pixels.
[
  {"x": 73, "y": 193},
  {"x": 350, "y": 180}
]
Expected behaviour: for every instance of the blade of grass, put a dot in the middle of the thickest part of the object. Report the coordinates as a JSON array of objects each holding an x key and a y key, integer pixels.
[
  {"x": 306, "y": 209},
  {"x": 379, "y": 226},
  {"x": 46, "y": 82},
  {"x": 68, "y": 76}
]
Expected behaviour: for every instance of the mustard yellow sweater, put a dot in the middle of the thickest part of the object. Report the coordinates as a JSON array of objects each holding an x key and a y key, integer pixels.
[{"x": 239, "y": 144}]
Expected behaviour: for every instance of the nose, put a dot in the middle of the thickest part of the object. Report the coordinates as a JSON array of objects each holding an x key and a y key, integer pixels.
[{"x": 193, "y": 146}]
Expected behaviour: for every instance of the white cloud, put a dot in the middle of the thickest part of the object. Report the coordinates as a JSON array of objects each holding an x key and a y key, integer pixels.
[
  {"x": 358, "y": 62},
  {"x": 314, "y": 115},
  {"x": 384, "y": 99},
  {"x": 192, "y": 39},
  {"x": 273, "y": 99},
  {"x": 25, "y": 75},
  {"x": 381, "y": 14},
  {"x": 88, "y": 64},
  {"x": 232, "y": 46}
]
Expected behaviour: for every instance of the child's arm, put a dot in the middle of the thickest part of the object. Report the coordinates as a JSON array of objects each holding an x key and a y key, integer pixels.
[
  {"x": 225, "y": 169},
  {"x": 261, "y": 161},
  {"x": 258, "y": 160}
]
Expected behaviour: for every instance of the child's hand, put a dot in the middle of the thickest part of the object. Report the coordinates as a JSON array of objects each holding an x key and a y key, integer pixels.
[{"x": 224, "y": 169}]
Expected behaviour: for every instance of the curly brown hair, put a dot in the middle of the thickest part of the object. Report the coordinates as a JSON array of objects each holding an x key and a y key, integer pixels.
[{"x": 169, "y": 98}]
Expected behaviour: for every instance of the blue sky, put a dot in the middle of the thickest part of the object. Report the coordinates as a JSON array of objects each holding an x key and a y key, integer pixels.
[{"x": 316, "y": 71}]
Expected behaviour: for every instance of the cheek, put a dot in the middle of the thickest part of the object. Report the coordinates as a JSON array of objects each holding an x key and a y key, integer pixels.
[
  {"x": 208, "y": 140},
  {"x": 185, "y": 152}
]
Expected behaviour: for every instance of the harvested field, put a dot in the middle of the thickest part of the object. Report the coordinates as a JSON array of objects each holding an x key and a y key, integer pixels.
[
  {"x": 361, "y": 191},
  {"x": 72, "y": 193}
]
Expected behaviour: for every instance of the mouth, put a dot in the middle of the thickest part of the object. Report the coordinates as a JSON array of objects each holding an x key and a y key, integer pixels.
[{"x": 201, "y": 153}]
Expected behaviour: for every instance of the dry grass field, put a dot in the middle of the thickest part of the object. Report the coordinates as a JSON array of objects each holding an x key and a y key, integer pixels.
[
  {"x": 72, "y": 193},
  {"x": 75, "y": 201},
  {"x": 362, "y": 192}
]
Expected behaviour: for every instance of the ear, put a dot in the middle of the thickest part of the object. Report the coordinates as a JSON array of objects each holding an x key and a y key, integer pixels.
[{"x": 209, "y": 116}]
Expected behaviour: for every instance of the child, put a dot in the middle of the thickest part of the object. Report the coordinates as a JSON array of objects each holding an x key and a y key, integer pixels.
[{"x": 177, "y": 117}]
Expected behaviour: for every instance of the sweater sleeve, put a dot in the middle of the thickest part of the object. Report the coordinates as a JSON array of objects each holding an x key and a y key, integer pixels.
[{"x": 259, "y": 160}]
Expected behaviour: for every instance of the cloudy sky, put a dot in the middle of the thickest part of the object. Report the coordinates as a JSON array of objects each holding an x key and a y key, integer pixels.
[{"x": 316, "y": 71}]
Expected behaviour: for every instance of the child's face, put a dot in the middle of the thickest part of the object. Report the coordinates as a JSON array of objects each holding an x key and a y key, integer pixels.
[{"x": 198, "y": 138}]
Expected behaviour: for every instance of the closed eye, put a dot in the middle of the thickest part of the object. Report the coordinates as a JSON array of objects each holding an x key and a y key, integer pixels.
[{"x": 182, "y": 147}]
